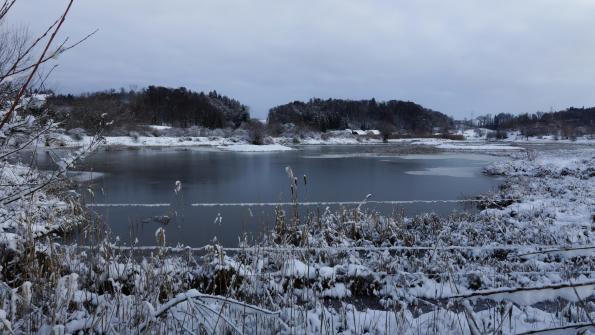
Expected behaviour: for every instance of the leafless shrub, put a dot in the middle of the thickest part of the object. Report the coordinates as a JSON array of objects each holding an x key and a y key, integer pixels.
[
  {"x": 386, "y": 131},
  {"x": 256, "y": 132}
]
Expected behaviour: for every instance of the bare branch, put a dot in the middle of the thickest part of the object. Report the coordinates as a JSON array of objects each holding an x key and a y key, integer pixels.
[
  {"x": 33, "y": 138},
  {"x": 17, "y": 99},
  {"x": 58, "y": 51},
  {"x": 54, "y": 176},
  {"x": 499, "y": 292},
  {"x": 22, "y": 55},
  {"x": 562, "y": 328},
  {"x": 5, "y": 8}
]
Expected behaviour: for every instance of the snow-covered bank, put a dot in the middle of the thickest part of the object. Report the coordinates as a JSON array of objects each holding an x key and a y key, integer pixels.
[
  {"x": 219, "y": 143},
  {"x": 35, "y": 204},
  {"x": 26, "y": 215},
  {"x": 482, "y": 134},
  {"x": 445, "y": 144},
  {"x": 451, "y": 145},
  {"x": 164, "y": 136},
  {"x": 148, "y": 141}
]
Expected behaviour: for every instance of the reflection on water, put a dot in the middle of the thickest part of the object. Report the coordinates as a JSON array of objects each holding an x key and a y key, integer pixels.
[{"x": 461, "y": 172}]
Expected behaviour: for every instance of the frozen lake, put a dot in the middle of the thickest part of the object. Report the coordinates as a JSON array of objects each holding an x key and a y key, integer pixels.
[{"x": 137, "y": 186}]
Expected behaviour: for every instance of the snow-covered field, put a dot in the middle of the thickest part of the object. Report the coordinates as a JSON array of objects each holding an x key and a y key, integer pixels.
[{"x": 525, "y": 262}]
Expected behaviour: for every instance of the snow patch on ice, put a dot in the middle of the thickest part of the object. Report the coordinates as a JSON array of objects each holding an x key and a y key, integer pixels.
[{"x": 254, "y": 148}]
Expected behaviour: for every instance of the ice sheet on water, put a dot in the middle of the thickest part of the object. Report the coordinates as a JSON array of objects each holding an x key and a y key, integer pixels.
[
  {"x": 348, "y": 155},
  {"x": 452, "y": 155},
  {"x": 460, "y": 172},
  {"x": 254, "y": 148}
]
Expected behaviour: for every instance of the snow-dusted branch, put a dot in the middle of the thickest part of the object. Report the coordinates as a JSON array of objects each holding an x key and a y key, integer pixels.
[
  {"x": 571, "y": 291},
  {"x": 63, "y": 165},
  {"x": 25, "y": 86},
  {"x": 562, "y": 329},
  {"x": 195, "y": 295}
]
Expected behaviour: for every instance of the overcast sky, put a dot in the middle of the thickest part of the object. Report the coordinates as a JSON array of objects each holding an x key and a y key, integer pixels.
[{"x": 463, "y": 57}]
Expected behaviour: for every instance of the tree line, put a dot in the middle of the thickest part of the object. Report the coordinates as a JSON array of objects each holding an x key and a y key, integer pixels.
[
  {"x": 178, "y": 107},
  {"x": 336, "y": 114},
  {"x": 567, "y": 123}
]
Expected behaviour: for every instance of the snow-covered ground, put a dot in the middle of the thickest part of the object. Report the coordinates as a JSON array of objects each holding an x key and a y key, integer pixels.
[
  {"x": 525, "y": 262},
  {"x": 516, "y": 136}
]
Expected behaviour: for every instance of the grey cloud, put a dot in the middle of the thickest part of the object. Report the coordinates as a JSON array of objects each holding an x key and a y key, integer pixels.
[{"x": 457, "y": 57}]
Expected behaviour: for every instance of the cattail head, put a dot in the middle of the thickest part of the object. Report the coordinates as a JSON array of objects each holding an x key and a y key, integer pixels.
[
  {"x": 289, "y": 172},
  {"x": 160, "y": 236}
]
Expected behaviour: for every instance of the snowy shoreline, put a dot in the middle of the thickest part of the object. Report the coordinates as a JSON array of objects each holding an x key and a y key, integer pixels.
[
  {"x": 471, "y": 142},
  {"x": 280, "y": 144}
]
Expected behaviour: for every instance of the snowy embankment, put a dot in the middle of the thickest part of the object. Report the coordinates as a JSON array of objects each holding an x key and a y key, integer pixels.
[
  {"x": 523, "y": 263},
  {"x": 218, "y": 143}
]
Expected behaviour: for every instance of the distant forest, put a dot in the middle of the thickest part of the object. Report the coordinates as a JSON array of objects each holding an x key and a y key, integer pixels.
[
  {"x": 180, "y": 107},
  {"x": 334, "y": 114},
  {"x": 568, "y": 123},
  {"x": 177, "y": 107}
]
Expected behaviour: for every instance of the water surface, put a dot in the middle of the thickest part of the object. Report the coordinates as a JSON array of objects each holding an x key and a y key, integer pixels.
[{"x": 144, "y": 177}]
